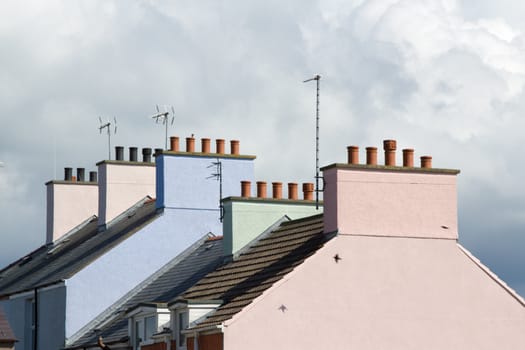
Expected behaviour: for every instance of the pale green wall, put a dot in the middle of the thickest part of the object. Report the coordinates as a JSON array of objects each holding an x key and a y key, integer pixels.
[{"x": 245, "y": 219}]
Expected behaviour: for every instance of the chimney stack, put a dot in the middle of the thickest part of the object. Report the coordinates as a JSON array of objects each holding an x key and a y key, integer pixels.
[
  {"x": 119, "y": 153},
  {"x": 261, "y": 189},
  {"x": 292, "y": 191},
  {"x": 308, "y": 191},
  {"x": 371, "y": 156},
  {"x": 133, "y": 154},
  {"x": 353, "y": 154},
  {"x": 390, "y": 152},
  {"x": 277, "y": 190}
]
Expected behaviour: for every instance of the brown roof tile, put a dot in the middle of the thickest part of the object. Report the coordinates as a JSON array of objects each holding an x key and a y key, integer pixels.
[
  {"x": 6, "y": 333},
  {"x": 239, "y": 282}
]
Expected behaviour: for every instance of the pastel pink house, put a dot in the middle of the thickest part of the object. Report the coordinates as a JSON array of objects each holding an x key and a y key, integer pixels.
[{"x": 390, "y": 275}]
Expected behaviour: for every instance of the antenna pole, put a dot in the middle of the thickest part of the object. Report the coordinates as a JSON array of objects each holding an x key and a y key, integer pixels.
[
  {"x": 317, "y": 78},
  {"x": 109, "y": 143}
]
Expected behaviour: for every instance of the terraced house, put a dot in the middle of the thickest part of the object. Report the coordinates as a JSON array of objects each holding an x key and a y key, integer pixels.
[{"x": 379, "y": 267}]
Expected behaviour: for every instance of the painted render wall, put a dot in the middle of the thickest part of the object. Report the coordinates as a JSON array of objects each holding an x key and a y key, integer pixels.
[
  {"x": 121, "y": 185},
  {"x": 245, "y": 219},
  {"x": 187, "y": 183},
  {"x": 385, "y": 293},
  {"x": 107, "y": 279},
  {"x": 68, "y": 204},
  {"x": 51, "y": 317},
  {"x": 364, "y": 200}
]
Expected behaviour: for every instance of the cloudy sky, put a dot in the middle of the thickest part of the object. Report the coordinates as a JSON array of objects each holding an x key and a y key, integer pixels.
[{"x": 444, "y": 77}]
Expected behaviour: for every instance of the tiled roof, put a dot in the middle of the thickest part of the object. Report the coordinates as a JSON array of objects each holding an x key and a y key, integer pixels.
[
  {"x": 239, "y": 282},
  {"x": 6, "y": 333},
  {"x": 168, "y": 283},
  {"x": 60, "y": 260}
]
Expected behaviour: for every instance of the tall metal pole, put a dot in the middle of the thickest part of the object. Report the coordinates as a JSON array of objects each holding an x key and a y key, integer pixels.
[{"x": 317, "y": 78}]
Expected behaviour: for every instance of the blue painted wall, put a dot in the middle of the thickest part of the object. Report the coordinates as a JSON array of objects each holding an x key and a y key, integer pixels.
[{"x": 191, "y": 208}]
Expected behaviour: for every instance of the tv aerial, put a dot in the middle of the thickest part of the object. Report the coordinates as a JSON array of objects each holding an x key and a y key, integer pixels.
[
  {"x": 218, "y": 176},
  {"x": 317, "y": 78},
  {"x": 164, "y": 118},
  {"x": 107, "y": 125}
]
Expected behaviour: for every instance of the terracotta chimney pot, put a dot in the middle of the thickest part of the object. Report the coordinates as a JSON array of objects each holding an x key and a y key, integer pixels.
[
  {"x": 426, "y": 162},
  {"x": 220, "y": 146},
  {"x": 234, "y": 145},
  {"x": 246, "y": 189},
  {"x": 390, "y": 152},
  {"x": 261, "y": 189},
  {"x": 408, "y": 157},
  {"x": 371, "y": 156},
  {"x": 308, "y": 191},
  {"x": 277, "y": 190},
  {"x": 174, "y": 143},
  {"x": 292, "y": 191},
  {"x": 205, "y": 145},
  {"x": 353, "y": 154},
  {"x": 190, "y": 144}
]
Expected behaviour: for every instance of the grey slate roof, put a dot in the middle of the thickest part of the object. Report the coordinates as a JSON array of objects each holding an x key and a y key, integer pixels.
[
  {"x": 60, "y": 260},
  {"x": 239, "y": 282},
  {"x": 168, "y": 283},
  {"x": 6, "y": 333}
]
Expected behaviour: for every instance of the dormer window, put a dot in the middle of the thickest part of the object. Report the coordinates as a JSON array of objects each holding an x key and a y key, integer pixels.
[
  {"x": 145, "y": 321},
  {"x": 182, "y": 324}
]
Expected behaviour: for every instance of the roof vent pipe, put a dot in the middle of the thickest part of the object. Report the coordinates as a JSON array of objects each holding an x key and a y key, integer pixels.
[
  {"x": 68, "y": 174},
  {"x": 246, "y": 189},
  {"x": 371, "y": 156},
  {"x": 119, "y": 153},
  {"x": 277, "y": 190},
  {"x": 174, "y": 143},
  {"x": 390, "y": 152},
  {"x": 205, "y": 145},
  {"x": 234, "y": 145},
  {"x": 93, "y": 176},
  {"x": 408, "y": 158},
  {"x": 190, "y": 144},
  {"x": 261, "y": 189},
  {"x": 308, "y": 191},
  {"x": 133, "y": 154},
  {"x": 292, "y": 191},
  {"x": 81, "y": 174},
  {"x": 426, "y": 162},
  {"x": 146, "y": 155},
  {"x": 353, "y": 154},
  {"x": 220, "y": 146}
]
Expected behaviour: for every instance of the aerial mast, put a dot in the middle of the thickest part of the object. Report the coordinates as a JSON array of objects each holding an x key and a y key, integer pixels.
[
  {"x": 164, "y": 118},
  {"x": 317, "y": 78},
  {"x": 107, "y": 125}
]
